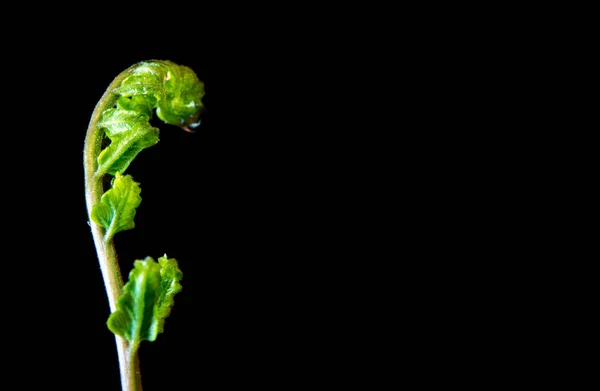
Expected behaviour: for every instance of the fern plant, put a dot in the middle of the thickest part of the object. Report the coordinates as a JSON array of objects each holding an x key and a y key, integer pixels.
[{"x": 119, "y": 129}]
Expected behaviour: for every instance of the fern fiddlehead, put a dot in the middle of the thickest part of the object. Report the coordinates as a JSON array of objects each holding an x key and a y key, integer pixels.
[{"x": 119, "y": 129}]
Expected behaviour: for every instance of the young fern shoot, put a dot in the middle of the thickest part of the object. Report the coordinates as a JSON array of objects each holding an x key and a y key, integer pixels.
[{"x": 119, "y": 129}]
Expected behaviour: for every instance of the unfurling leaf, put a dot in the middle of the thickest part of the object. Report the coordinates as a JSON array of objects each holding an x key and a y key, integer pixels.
[
  {"x": 116, "y": 209},
  {"x": 146, "y": 300},
  {"x": 120, "y": 127}
]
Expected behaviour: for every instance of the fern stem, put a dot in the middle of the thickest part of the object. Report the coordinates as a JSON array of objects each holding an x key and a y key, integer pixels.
[{"x": 107, "y": 255}]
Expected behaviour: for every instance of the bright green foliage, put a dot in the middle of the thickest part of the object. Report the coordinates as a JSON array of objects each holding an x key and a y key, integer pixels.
[
  {"x": 173, "y": 90},
  {"x": 116, "y": 209},
  {"x": 146, "y": 300}
]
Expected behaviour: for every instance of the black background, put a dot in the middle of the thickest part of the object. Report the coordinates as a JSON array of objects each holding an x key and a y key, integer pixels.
[
  {"x": 326, "y": 161},
  {"x": 250, "y": 206}
]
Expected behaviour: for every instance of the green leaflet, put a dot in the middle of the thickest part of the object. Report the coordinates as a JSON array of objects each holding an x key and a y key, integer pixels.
[
  {"x": 116, "y": 209},
  {"x": 146, "y": 300},
  {"x": 169, "y": 286},
  {"x": 129, "y": 138},
  {"x": 117, "y": 123}
]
